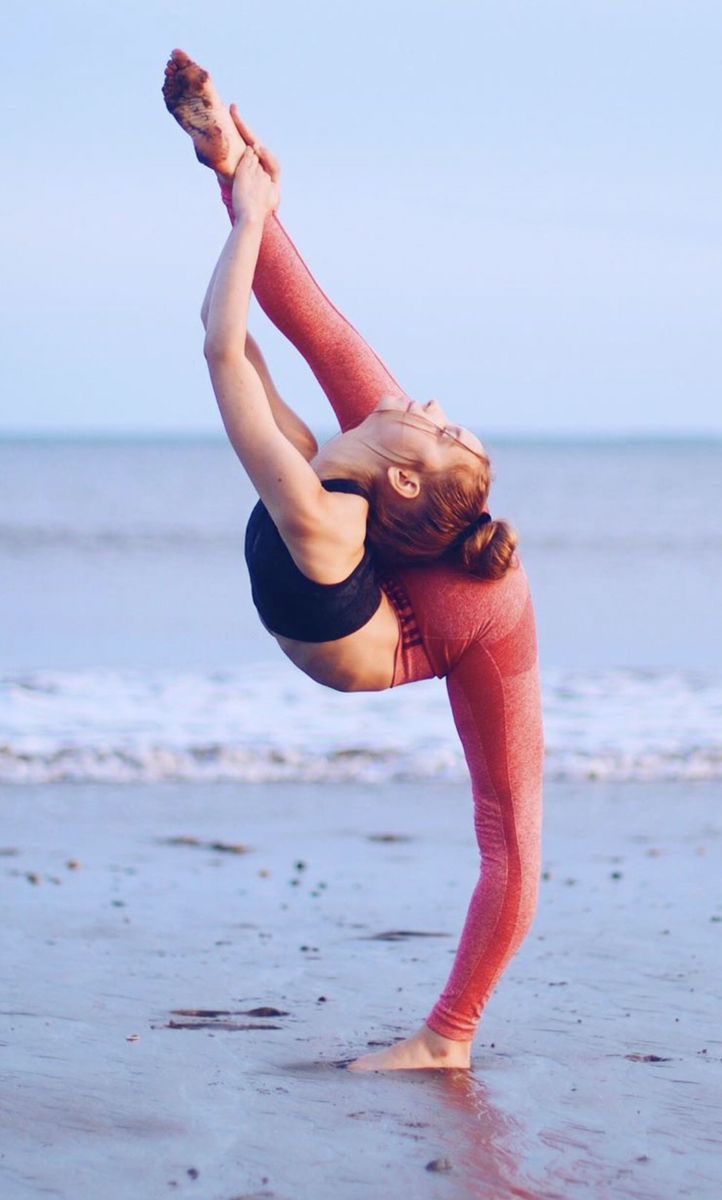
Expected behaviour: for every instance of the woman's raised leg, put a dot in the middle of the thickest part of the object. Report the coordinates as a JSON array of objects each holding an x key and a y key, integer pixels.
[
  {"x": 351, "y": 374},
  {"x": 349, "y": 371}
]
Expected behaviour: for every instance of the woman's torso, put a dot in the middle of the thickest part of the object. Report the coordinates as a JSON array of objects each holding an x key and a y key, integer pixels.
[{"x": 422, "y": 622}]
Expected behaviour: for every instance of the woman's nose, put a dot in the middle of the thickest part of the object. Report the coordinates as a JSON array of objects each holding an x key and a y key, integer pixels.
[{"x": 433, "y": 407}]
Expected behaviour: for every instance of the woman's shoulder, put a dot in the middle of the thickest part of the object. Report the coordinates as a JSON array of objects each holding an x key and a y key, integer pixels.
[{"x": 329, "y": 544}]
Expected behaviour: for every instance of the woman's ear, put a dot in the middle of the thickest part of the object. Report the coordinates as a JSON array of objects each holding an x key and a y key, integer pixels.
[{"x": 404, "y": 482}]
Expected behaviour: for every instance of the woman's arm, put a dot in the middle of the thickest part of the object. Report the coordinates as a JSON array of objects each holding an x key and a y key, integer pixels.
[
  {"x": 283, "y": 478},
  {"x": 288, "y": 421}
]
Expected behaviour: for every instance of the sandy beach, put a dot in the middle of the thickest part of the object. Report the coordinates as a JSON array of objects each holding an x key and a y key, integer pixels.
[{"x": 146, "y": 926}]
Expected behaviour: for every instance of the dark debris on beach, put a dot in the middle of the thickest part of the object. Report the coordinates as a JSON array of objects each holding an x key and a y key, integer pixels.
[
  {"x": 218, "y": 847},
  {"x": 221, "y": 1018},
  {"x": 230, "y": 1026},
  {"x": 400, "y": 935}
]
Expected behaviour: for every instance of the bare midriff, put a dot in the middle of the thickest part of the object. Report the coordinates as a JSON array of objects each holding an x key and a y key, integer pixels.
[{"x": 363, "y": 661}]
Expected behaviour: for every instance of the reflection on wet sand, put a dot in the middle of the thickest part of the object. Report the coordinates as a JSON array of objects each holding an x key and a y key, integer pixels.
[
  {"x": 450, "y": 1114},
  {"x": 172, "y": 1012},
  {"x": 483, "y": 1142}
]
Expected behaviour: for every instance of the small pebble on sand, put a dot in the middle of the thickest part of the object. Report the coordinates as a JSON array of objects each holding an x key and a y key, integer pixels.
[{"x": 439, "y": 1164}]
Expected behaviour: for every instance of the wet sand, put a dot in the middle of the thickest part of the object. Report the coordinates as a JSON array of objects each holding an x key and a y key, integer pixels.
[{"x": 135, "y": 1062}]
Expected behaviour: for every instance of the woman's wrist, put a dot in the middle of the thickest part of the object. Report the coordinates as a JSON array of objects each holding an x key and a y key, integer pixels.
[{"x": 250, "y": 220}]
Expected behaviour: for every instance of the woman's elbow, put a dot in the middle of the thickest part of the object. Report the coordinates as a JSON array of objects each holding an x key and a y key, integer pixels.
[
  {"x": 307, "y": 445},
  {"x": 218, "y": 349}
]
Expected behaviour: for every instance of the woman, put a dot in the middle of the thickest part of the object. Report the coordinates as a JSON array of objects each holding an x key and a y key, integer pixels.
[{"x": 398, "y": 470}]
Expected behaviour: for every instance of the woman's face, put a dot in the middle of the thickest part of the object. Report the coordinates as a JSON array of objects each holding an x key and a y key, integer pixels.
[{"x": 419, "y": 434}]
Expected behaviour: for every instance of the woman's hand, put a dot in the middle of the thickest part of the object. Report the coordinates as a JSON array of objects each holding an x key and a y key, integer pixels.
[{"x": 256, "y": 185}]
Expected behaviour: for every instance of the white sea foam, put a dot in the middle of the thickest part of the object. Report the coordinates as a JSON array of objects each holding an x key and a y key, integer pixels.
[{"x": 269, "y": 723}]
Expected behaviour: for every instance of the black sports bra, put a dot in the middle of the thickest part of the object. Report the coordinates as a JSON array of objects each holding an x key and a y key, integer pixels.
[{"x": 294, "y": 606}]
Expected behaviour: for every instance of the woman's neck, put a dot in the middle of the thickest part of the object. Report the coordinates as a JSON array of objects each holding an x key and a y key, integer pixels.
[{"x": 346, "y": 457}]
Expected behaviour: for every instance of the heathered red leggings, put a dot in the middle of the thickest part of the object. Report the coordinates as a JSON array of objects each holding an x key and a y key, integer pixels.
[{"x": 478, "y": 635}]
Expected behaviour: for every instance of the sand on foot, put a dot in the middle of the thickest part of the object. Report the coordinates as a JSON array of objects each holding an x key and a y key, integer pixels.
[{"x": 191, "y": 97}]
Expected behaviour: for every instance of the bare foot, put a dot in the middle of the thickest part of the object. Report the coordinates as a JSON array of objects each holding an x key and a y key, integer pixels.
[
  {"x": 192, "y": 99},
  {"x": 426, "y": 1050}
]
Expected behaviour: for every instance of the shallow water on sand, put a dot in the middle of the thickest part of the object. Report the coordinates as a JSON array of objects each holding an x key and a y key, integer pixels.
[{"x": 140, "y": 1069}]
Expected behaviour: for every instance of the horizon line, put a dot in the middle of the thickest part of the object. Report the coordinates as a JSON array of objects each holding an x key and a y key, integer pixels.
[{"x": 636, "y": 434}]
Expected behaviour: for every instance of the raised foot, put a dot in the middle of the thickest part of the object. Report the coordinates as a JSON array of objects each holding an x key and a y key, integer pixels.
[
  {"x": 426, "y": 1050},
  {"x": 192, "y": 99}
]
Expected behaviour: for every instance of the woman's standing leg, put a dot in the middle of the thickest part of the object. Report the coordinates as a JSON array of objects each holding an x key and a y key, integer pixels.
[
  {"x": 482, "y": 636},
  {"x": 498, "y": 716}
]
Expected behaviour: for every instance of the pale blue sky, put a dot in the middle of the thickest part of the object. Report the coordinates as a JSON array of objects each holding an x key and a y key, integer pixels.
[{"x": 517, "y": 202}]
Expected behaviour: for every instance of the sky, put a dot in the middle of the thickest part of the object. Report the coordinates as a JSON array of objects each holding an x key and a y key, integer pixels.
[{"x": 517, "y": 202}]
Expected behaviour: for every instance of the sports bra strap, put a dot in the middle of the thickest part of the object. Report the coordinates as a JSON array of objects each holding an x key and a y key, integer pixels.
[{"x": 349, "y": 486}]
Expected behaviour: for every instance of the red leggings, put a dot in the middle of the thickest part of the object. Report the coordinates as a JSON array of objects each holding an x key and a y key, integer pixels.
[{"x": 478, "y": 635}]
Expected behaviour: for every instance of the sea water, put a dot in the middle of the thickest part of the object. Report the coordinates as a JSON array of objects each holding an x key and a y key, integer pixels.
[{"x": 130, "y": 649}]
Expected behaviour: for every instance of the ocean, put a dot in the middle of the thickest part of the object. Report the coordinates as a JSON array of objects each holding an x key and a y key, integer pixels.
[{"x": 131, "y": 651}]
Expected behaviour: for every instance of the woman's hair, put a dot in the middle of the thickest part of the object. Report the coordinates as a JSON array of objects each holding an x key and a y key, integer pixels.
[{"x": 432, "y": 526}]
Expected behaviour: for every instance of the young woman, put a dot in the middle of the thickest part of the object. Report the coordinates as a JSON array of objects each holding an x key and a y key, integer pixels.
[{"x": 400, "y": 479}]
